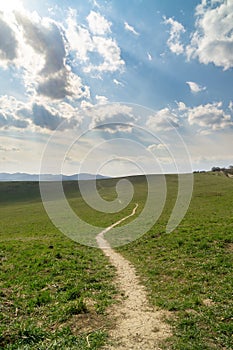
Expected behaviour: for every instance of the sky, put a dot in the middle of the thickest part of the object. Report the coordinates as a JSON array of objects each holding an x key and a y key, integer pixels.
[{"x": 115, "y": 87}]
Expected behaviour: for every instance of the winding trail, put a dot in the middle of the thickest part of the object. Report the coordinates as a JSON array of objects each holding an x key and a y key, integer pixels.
[{"x": 138, "y": 325}]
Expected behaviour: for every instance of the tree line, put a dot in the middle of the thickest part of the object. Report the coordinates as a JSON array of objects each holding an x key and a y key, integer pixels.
[{"x": 226, "y": 171}]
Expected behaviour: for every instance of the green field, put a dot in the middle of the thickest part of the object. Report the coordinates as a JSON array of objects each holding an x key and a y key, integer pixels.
[
  {"x": 55, "y": 292},
  {"x": 190, "y": 271}
]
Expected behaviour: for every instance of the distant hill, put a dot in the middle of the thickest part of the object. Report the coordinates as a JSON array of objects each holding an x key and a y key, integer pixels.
[{"x": 48, "y": 177}]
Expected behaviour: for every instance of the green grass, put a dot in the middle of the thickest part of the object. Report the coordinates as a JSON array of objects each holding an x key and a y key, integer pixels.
[
  {"x": 189, "y": 271},
  {"x": 55, "y": 292}
]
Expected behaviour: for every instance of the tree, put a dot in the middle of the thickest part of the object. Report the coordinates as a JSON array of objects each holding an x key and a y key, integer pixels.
[
  {"x": 230, "y": 169},
  {"x": 216, "y": 168}
]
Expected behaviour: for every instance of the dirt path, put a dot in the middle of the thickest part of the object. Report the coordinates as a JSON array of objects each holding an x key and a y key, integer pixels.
[{"x": 138, "y": 326}]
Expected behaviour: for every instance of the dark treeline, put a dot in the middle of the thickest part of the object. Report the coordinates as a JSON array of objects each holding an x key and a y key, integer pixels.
[
  {"x": 217, "y": 169},
  {"x": 228, "y": 170}
]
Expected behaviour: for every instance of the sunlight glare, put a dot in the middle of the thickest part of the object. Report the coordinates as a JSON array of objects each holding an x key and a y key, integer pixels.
[{"x": 10, "y": 5}]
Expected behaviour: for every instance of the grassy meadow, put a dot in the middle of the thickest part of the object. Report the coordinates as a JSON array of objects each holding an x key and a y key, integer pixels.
[
  {"x": 190, "y": 271},
  {"x": 55, "y": 292}
]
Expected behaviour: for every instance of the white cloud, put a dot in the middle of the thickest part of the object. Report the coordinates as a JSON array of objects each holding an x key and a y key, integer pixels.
[
  {"x": 210, "y": 116},
  {"x": 38, "y": 49},
  {"x": 163, "y": 120},
  {"x": 117, "y": 82},
  {"x": 67, "y": 110},
  {"x": 9, "y": 113},
  {"x": 194, "y": 87},
  {"x": 101, "y": 100},
  {"x": 212, "y": 41},
  {"x": 83, "y": 42},
  {"x": 79, "y": 37},
  {"x": 181, "y": 106},
  {"x": 108, "y": 49},
  {"x": 130, "y": 28},
  {"x": 10, "y": 104},
  {"x": 40, "y": 35},
  {"x": 53, "y": 77},
  {"x": 28, "y": 46},
  {"x": 157, "y": 147},
  {"x": 174, "y": 42},
  {"x": 95, "y": 4},
  {"x": 35, "y": 116},
  {"x": 86, "y": 105},
  {"x": 98, "y": 24},
  {"x": 150, "y": 58},
  {"x": 113, "y": 118}
]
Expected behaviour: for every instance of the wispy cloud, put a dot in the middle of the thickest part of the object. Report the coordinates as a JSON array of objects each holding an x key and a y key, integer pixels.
[
  {"x": 157, "y": 147},
  {"x": 150, "y": 58},
  {"x": 130, "y": 28},
  {"x": 95, "y": 3},
  {"x": 117, "y": 82},
  {"x": 163, "y": 120},
  {"x": 194, "y": 87}
]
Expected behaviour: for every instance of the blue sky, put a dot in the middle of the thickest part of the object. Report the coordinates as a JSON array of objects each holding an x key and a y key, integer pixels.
[{"x": 70, "y": 66}]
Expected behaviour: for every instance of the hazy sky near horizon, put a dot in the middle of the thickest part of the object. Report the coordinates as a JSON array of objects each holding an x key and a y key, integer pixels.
[{"x": 63, "y": 64}]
